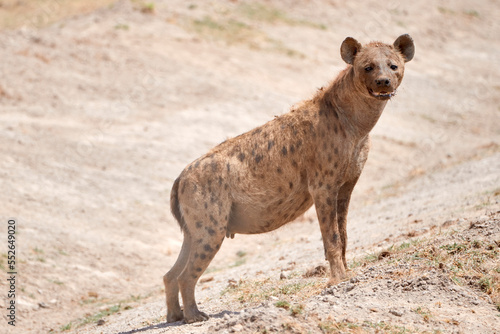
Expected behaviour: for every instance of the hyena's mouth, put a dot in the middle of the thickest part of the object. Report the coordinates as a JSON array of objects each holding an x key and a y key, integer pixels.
[{"x": 382, "y": 95}]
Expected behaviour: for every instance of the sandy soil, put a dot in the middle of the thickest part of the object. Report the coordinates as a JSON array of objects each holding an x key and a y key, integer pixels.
[{"x": 101, "y": 111}]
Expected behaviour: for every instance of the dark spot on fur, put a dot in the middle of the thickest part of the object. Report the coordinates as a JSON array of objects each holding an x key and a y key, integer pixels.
[
  {"x": 226, "y": 186},
  {"x": 295, "y": 164},
  {"x": 336, "y": 151},
  {"x": 332, "y": 215},
  {"x": 194, "y": 276},
  {"x": 329, "y": 201},
  {"x": 292, "y": 149},
  {"x": 214, "y": 166},
  {"x": 228, "y": 167},
  {"x": 206, "y": 205},
  {"x": 335, "y": 128},
  {"x": 210, "y": 231},
  {"x": 199, "y": 224},
  {"x": 290, "y": 184},
  {"x": 320, "y": 184},
  {"x": 280, "y": 202},
  {"x": 198, "y": 269},
  {"x": 207, "y": 248},
  {"x": 196, "y": 255},
  {"x": 284, "y": 151},
  {"x": 335, "y": 237},
  {"x": 256, "y": 131},
  {"x": 324, "y": 146},
  {"x": 197, "y": 164},
  {"x": 270, "y": 144},
  {"x": 203, "y": 256},
  {"x": 213, "y": 220},
  {"x": 336, "y": 165},
  {"x": 299, "y": 143},
  {"x": 258, "y": 158},
  {"x": 329, "y": 158},
  {"x": 329, "y": 186},
  {"x": 253, "y": 153},
  {"x": 280, "y": 190},
  {"x": 183, "y": 187},
  {"x": 241, "y": 156},
  {"x": 279, "y": 170}
]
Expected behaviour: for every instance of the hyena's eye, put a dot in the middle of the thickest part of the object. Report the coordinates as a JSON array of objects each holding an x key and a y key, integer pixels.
[
  {"x": 368, "y": 68},
  {"x": 394, "y": 67}
]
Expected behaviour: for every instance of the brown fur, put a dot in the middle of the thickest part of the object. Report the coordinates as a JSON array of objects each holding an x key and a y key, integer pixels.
[{"x": 269, "y": 176}]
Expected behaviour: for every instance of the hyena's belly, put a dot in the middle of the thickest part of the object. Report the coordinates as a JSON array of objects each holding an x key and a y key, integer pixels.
[{"x": 251, "y": 218}]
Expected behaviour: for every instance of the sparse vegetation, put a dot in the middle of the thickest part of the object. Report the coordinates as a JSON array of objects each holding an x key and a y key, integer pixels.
[
  {"x": 97, "y": 316},
  {"x": 233, "y": 31},
  {"x": 468, "y": 261},
  {"x": 257, "y": 291},
  {"x": 66, "y": 327},
  {"x": 268, "y": 14},
  {"x": 282, "y": 304}
]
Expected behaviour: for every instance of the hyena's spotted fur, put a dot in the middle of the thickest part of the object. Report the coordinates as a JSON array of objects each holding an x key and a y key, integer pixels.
[{"x": 267, "y": 177}]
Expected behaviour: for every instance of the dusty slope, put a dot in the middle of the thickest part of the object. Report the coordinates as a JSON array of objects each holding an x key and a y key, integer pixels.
[{"x": 99, "y": 113}]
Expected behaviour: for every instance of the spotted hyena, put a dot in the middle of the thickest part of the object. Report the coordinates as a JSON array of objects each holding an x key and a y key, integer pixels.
[{"x": 269, "y": 176}]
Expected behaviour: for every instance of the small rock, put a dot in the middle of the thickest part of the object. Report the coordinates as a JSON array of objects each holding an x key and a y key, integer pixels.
[
  {"x": 42, "y": 305},
  {"x": 93, "y": 294},
  {"x": 354, "y": 280},
  {"x": 101, "y": 322},
  {"x": 349, "y": 287},
  {"x": 238, "y": 327},
  {"x": 397, "y": 313},
  {"x": 206, "y": 279},
  {"x": 282, "y": 276}
]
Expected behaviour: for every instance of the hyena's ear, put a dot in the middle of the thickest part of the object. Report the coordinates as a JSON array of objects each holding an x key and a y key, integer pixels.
[
  {"x": 404, "y": 44},
  {"x": 349, "y": 48}
]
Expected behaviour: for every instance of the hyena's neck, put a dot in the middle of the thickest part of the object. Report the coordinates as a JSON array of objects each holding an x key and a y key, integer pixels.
[{"x": 357, "y": 111}]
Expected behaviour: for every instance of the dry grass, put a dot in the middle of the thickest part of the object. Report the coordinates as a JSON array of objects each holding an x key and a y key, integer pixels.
[
  {"x": 289, "y": 292},
  {"x": 39, "y": 13},
  {"x": 468, "y": 260}
]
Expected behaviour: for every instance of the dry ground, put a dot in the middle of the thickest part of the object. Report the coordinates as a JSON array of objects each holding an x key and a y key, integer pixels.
[{"x": 102, "y": 105}]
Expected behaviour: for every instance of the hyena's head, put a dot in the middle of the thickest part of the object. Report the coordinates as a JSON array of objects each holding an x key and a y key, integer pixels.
[{"x": 378, "y": 67}]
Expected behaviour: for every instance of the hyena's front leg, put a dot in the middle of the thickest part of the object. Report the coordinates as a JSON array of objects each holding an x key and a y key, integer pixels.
[
  {"x": 343, "y": 200},
  {"x": 326, "y": 209}
]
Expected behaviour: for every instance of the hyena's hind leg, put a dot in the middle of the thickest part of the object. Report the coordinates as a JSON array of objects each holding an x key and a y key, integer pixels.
[
  {"x": 207, "y": 232},
  {"x": 174, "y": 312}
]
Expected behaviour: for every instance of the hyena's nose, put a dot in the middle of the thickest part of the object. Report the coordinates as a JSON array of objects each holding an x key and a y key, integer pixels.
[{"x": 383, "y": 82}]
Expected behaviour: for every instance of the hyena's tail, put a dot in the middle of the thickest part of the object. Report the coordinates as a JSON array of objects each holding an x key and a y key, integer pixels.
[{"x": 174, "y": 204}]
